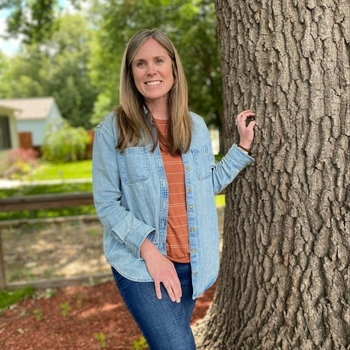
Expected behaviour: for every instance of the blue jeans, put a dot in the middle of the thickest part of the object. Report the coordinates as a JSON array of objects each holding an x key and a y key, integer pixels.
[{"x": 165, "y": 324}]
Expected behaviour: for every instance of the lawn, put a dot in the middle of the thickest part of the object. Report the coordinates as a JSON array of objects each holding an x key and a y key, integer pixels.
[
  {"x": 59, "y": 171},
  {"x": 62, "y": 171}
]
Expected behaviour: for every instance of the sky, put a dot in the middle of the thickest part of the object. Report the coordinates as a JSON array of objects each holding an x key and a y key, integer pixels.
[{"x": 9, "y": 47}]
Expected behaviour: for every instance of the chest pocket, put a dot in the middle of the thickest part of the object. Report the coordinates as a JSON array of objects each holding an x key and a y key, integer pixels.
[
  {"x": 202, "y": 158},
  {"x": 134, "y": 165}
]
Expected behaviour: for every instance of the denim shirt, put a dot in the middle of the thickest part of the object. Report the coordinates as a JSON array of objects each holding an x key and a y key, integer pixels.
[{"x": 131, "y": 199}]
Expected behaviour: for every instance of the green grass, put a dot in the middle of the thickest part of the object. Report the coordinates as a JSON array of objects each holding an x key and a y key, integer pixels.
[
  {"x": 9, "y": 297},
  {"x": 46, "y": 189},
  {"x": 62, "y": 171},
  {"x": 220, "y": 200}
]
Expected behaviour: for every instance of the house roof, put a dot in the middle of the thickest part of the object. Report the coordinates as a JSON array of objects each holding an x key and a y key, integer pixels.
[
  {"x": 30, "y": 108},
  {"x": 7, "y": 109}
]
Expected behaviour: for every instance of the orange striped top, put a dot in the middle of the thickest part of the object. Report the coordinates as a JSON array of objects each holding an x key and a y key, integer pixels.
[{"x": 178, "y": 249}]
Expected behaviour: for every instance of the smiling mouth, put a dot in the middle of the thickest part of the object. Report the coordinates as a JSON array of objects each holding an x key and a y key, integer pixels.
[{"x": 153, "y": 83}]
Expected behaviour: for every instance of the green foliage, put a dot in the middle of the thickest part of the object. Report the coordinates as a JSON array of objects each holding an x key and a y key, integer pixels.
[
  {"x": 46, "y": 189},
  {"x": 34, "y": 20},
  {"x": 220, "y": 200},
  {"x": 103, "y": 105},
  {"x": 65, "y": 308},
  {"x": 140, "y": 344},
  {"x": 9, "y": 297},
  {"x": 101, "y": 338},
  {"x": 19, "y": 162},
  {"x": 192, "y": 27},
  {"x": 48, "y": 213},
  {"x": 65, "y": 145},
  {"x": 80, "y": 66},
  {"x": 56, "y": 66},
  {"x": 4, "y": 66},
  {"x": 38, "y": 314}
]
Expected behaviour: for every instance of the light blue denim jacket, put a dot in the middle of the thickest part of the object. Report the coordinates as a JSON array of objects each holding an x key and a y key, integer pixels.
[{"x": 131, "y": 199}]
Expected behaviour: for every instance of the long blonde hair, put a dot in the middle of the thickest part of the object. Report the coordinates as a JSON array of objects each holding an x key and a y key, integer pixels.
[{"x": 134, "y": 123}]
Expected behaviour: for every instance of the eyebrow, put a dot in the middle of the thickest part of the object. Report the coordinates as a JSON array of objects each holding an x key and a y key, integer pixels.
[{"x": 155, "y": 57}]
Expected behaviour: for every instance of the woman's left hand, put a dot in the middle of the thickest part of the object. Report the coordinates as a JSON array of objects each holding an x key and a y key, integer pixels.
[{"x": 246, "y": 132}]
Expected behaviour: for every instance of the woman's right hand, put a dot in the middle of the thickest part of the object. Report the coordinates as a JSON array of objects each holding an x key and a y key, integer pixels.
[{"x": 162, "y": 270}]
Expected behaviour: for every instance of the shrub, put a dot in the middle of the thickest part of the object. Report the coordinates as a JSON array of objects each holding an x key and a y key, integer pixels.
[
  {"x": 8, "y": 297},
  {"x": 20, "y": 162},
  {"x": 66, "y": 144}
]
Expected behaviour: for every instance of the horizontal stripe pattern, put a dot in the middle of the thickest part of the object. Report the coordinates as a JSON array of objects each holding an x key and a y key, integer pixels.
[{"x": 177, "y": 229}]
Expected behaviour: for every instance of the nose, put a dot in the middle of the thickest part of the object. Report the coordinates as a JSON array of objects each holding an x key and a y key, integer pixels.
[{"x": 151, "y": 70}]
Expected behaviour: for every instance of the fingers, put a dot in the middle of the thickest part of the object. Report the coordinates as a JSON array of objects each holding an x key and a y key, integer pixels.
[
  {"x": 162, "y": 271},
  {"x": 245, "y": 122},
  {"x": 246, "y": 117},
  {"x": 173, "y": 289},
  {"x": 157, "y": 288},
  {"x": 171, "y": 285}
]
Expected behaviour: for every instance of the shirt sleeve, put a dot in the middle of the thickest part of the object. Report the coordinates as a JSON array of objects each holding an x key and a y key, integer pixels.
[
  {"x": 224, "y": 172},
  {"x": 120, "y": 222}
]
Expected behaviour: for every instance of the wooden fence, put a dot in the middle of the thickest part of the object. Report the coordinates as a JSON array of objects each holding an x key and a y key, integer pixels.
[{"x": 49, "y": 201}]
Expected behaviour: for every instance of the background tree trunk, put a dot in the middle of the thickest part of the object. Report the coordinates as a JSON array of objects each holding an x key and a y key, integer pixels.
[{"x": 284, "y": 281}]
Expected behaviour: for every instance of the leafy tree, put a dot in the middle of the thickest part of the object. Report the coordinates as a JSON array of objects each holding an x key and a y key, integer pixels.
[
  {"x": 192, "y": 27},
  {"x": 56, "y": 67},
  {"x": 4, "y": 62},
  {"x": 33, "y": 20}
]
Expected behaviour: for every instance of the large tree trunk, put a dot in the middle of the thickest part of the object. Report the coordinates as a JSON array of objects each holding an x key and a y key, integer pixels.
[{"x": 284, "y": 280}]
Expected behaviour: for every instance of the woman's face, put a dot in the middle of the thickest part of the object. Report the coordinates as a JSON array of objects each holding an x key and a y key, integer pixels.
[{"x": 153, "y": 72}]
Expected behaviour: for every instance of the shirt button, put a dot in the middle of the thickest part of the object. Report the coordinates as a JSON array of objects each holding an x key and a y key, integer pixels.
[
  {"x": 193, "y": 250},
  {"x": 192, "y": 229},
  {"x": 195, "y": 273},
  {"x": 191, "y": 207},
  {"x": 187, "y": 168},
  {"x": 190, "y": 189}
]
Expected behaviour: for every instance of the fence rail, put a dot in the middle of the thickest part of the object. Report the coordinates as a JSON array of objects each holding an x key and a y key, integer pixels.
[{"x": 47, "y": 201}]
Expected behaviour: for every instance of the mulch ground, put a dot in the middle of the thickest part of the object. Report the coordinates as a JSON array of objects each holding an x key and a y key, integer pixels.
[{"x": 77, "y": 317}]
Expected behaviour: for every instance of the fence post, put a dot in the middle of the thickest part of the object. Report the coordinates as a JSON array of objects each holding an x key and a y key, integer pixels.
[{"x": 2, "y": 267}]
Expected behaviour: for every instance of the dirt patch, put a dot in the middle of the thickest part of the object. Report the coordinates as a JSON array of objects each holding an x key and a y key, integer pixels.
[
  {"x": 44, "y": 251},
  {"x": 52, "y": 250}
]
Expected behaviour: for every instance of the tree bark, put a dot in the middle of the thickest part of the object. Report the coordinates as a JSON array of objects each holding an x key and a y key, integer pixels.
[{"x": 285, "y": 281}]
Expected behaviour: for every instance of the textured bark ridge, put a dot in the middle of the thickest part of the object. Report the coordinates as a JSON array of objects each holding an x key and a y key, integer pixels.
[{"x": 285, "y": 280}]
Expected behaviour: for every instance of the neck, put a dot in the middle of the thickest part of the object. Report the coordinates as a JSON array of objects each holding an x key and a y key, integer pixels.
[{"x": 158, "y": 111}]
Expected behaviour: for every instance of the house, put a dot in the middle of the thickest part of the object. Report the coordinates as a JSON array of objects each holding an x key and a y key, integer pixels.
[
  {"x": 8, "y": 130},
  {"x": 34, "y": 116}
]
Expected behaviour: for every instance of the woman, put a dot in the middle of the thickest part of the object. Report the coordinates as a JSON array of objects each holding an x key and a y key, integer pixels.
[{"x": 154, "y": 180}]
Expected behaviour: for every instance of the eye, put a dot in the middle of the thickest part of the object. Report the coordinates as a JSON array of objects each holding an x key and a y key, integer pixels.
[
  {"x": 140, "y": 64},
  {"x": 160, "y": 60}
]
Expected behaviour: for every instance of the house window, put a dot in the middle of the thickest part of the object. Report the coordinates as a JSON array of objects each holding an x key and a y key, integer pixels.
[{"x": 5, "y": 138}]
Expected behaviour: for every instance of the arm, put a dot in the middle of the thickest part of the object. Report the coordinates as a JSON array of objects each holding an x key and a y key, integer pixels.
[
  {"x": 122, "y": 224},
  {"x": 237, "y": 158}
]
